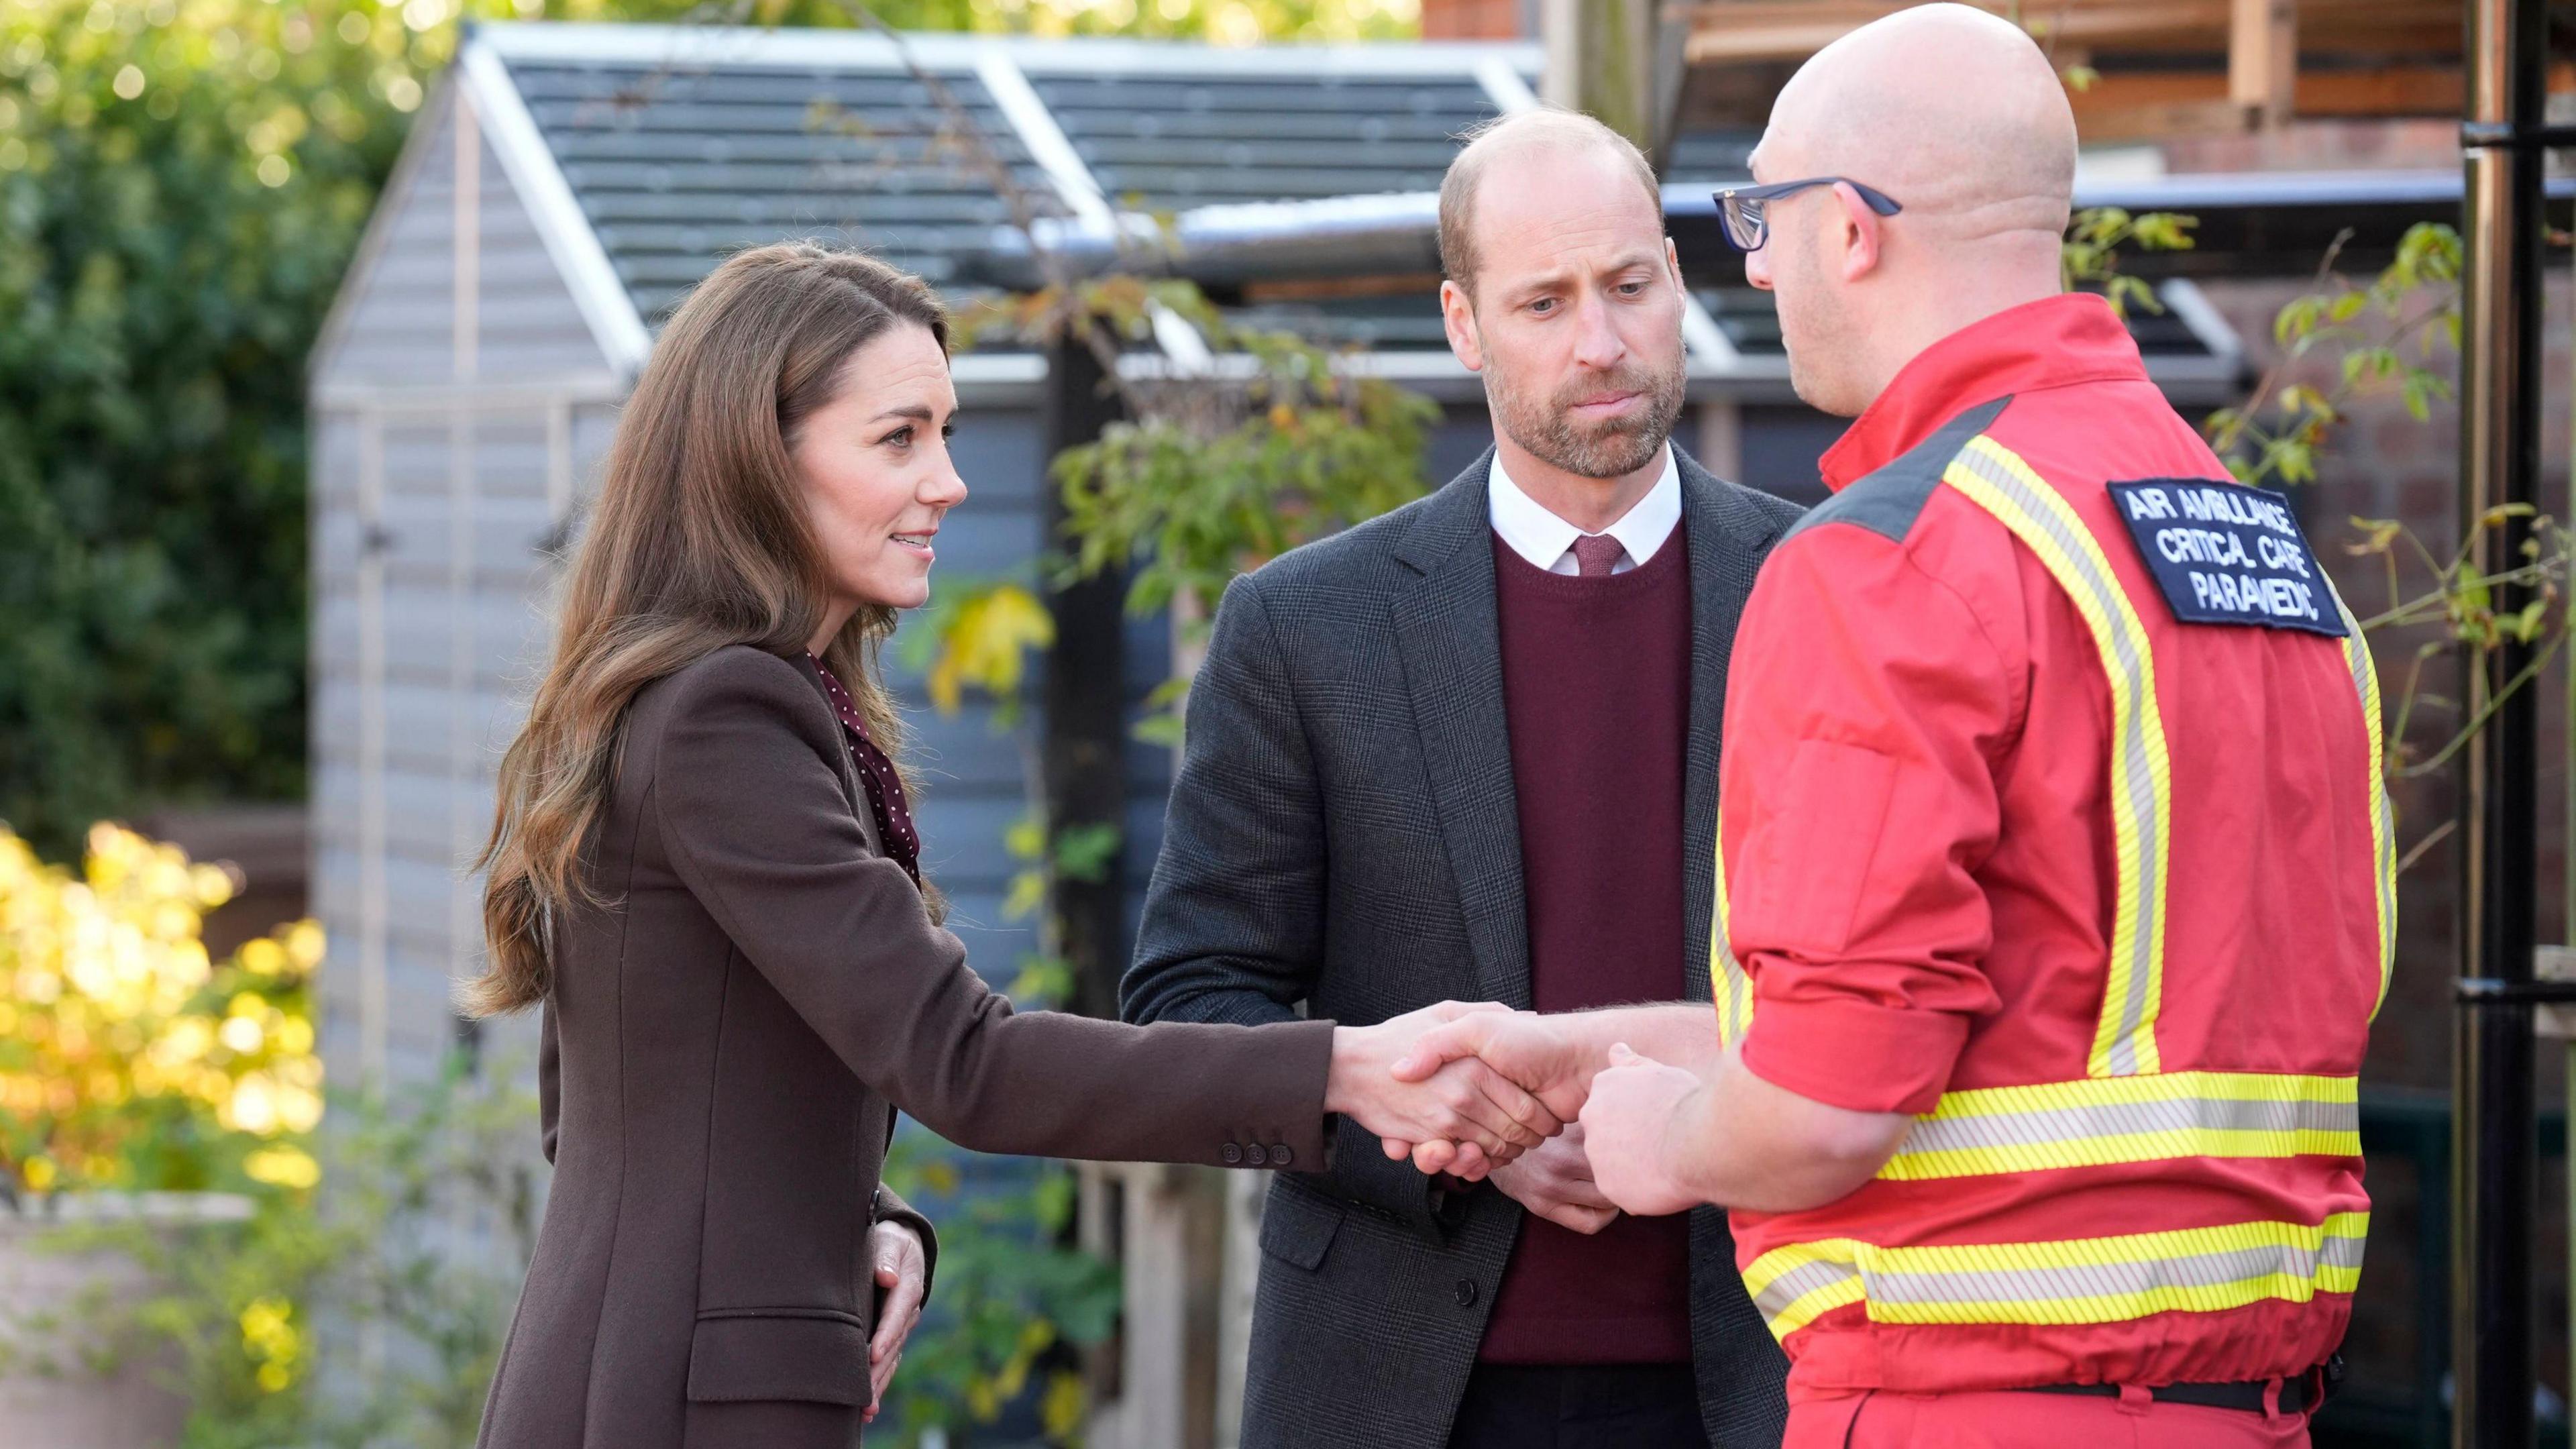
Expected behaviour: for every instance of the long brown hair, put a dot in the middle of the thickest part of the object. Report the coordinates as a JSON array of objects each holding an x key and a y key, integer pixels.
[{"x": 698, "y": 539}]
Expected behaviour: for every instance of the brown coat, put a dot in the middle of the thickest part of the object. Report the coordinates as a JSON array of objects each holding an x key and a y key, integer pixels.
[{"x": 727, "y": 1045}]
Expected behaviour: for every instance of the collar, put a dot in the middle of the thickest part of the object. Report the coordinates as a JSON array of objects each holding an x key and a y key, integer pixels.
[
  {"x": 1542, "y": 537},
  {"x": 2073, "y": 337}
]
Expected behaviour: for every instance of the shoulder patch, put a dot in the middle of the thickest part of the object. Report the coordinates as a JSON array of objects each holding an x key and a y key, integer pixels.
[
  {"x": 2225, "y": 553},
  {"x": 1888, "y": 501}
]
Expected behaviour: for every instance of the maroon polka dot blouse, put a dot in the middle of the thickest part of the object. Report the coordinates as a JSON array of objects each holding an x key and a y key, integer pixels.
[{"x": 884, "y": 787}]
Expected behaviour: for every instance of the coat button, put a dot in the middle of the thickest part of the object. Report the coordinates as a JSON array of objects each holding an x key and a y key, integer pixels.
[
  {"x": 1256, "y": 1156},
  {"x": 1232, "y": 1153},
  {"x": 1466, "y": 1293},
  {"x": 1280, "y": 1156}
]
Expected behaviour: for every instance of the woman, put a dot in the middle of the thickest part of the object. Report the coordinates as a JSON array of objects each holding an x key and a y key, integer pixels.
[{"x": 704, "y": 867}]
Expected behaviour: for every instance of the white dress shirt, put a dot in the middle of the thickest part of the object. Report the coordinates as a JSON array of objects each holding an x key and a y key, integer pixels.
[{"x": 1547, "y": 541}]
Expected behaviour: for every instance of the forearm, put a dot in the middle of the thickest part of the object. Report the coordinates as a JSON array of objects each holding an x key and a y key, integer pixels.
[
  {"x": 1740, "y": 1141},
  {"x": 1683, "y": 1033}
]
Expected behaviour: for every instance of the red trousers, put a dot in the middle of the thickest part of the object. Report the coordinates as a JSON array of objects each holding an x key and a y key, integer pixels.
[{"x": 2018, "y": 1420}]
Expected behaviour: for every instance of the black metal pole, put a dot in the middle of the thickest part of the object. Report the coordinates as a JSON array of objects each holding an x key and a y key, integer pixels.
[
  {"x": 1086, "y": 698},
  {"x": 2494, "y": 1187}
]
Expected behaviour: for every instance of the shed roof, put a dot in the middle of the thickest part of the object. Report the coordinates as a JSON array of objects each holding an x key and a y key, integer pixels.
[
  {"x": 682, "y": 143},
  {"x": 660, "y": 149},
  {"x": 674, "y": 168}
]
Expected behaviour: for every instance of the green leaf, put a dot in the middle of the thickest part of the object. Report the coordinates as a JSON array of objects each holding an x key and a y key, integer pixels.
[
  {"x": 2165, "y": 231},
  {"x": 1084, "y": 852},
  {"x": 2468, "y": 591},
  {"x": 1164, "y": 729},
  {"x": 2378, "y": 534},
  {"x": 1026, "y": 894},
  {"x": 2296, "y": 319}
]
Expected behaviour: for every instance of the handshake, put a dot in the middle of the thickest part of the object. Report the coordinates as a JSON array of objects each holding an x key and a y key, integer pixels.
[{"x": 1469, "y": 1090}]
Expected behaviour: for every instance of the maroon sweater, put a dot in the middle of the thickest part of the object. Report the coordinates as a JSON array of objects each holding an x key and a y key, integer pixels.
[{"x": 1596, "y": 696}]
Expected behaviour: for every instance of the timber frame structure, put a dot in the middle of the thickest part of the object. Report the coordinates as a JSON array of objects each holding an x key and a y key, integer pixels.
[{"x": 2139, "y": 69}]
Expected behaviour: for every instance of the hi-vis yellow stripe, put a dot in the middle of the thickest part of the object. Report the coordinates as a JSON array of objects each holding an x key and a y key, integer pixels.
[
  {"x": 2125, "y": 1110},
  {"x": 2383, "y": 829},
  {"x": 2071, "y": 1281},
  {"x": 2097, "y": 1121},
  {"x": 1996, "y": 479},
  {"x": 1729, "y": 983}
]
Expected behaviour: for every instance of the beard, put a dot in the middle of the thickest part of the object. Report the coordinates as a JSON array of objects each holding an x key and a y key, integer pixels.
[{"x": 1611, "y": 448}]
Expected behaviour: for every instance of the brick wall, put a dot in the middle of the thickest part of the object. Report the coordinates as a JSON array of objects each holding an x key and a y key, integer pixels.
[
  {"x": 2383, "y": 464},
  {"x": 1471, "y": 19}
]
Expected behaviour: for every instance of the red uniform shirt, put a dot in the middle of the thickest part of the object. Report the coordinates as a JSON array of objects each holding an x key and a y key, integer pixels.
[{"x": 2099, "y": 893}]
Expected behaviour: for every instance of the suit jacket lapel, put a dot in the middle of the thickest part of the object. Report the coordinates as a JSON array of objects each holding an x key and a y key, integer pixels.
[
  {"x": 1446, "y": 631},
  {"x": 1723, "y": 562}
]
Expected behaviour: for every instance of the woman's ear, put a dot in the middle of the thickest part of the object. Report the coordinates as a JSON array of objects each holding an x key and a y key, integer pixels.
[{"x": 1860, "y": 237}]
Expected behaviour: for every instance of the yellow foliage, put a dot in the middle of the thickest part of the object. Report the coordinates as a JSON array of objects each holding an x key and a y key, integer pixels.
[
  {"x": 284, "y": 1166},
  {"x": 983, "y": 642},
  {"x": 1064, "y": 1406},
  {"x": 269, "y": 1336},
  {"x": 121, "y": 1025}
]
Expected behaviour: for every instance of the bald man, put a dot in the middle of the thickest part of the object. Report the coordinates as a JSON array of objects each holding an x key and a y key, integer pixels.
[
  {"x": 2055, "y": 887},
  {"x": 1469, "y": 750}
]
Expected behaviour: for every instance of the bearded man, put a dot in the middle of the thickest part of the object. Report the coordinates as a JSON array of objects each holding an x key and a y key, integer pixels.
[{"x": 1469, "y": 750}]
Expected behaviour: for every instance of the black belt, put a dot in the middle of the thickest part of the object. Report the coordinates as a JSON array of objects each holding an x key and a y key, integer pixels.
[{"x": 2298, "y": 1394}]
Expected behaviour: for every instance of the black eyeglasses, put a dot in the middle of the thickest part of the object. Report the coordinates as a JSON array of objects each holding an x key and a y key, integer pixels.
[{"x": 1743, "y": 207}]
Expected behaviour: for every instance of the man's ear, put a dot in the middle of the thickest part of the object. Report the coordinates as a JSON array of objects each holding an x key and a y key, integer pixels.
[
  {"x": 1673, "y": 264},
  {"x": 1458, "y": 320},
  {"x": 1860, "y": 236}
]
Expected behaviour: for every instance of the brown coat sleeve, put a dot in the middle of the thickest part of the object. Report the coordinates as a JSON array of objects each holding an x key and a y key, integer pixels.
[{"x": 754, "y": 820}]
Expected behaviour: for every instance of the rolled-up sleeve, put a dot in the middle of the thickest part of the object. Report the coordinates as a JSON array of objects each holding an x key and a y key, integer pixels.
[{"x": 1867, "y": 704}]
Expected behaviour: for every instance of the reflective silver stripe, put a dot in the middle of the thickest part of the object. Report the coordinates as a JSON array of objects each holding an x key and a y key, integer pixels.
[
  {"x": 2383, "y": 823},
  {"x": 1935, "y": 1134},
  {"x": 1730, "y": 984},
  {"x": 2068, "y": 1281},
  {"x": 2152, "y": 1117},
  {"x": 1797, "y": 1283},
  {"x": 2049, "y": 525},
  {"x": 2104, "y": 1280}
]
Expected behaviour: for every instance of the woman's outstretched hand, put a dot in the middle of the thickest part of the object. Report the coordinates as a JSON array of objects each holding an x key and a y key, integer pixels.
[
  {"x": 1545, "y": 1054},
  {"x": 902, "y": 1271},
  {"x": 1463, "y": 1101}
]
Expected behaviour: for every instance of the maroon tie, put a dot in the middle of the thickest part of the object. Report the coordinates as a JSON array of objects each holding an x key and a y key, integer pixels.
[
  {"x": 884, "y": 787},
  {"x": 1596, "y": 554}
]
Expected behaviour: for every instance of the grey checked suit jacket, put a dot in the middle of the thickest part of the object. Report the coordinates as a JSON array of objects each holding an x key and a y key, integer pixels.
[{"x": 1345, "y": 836}]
